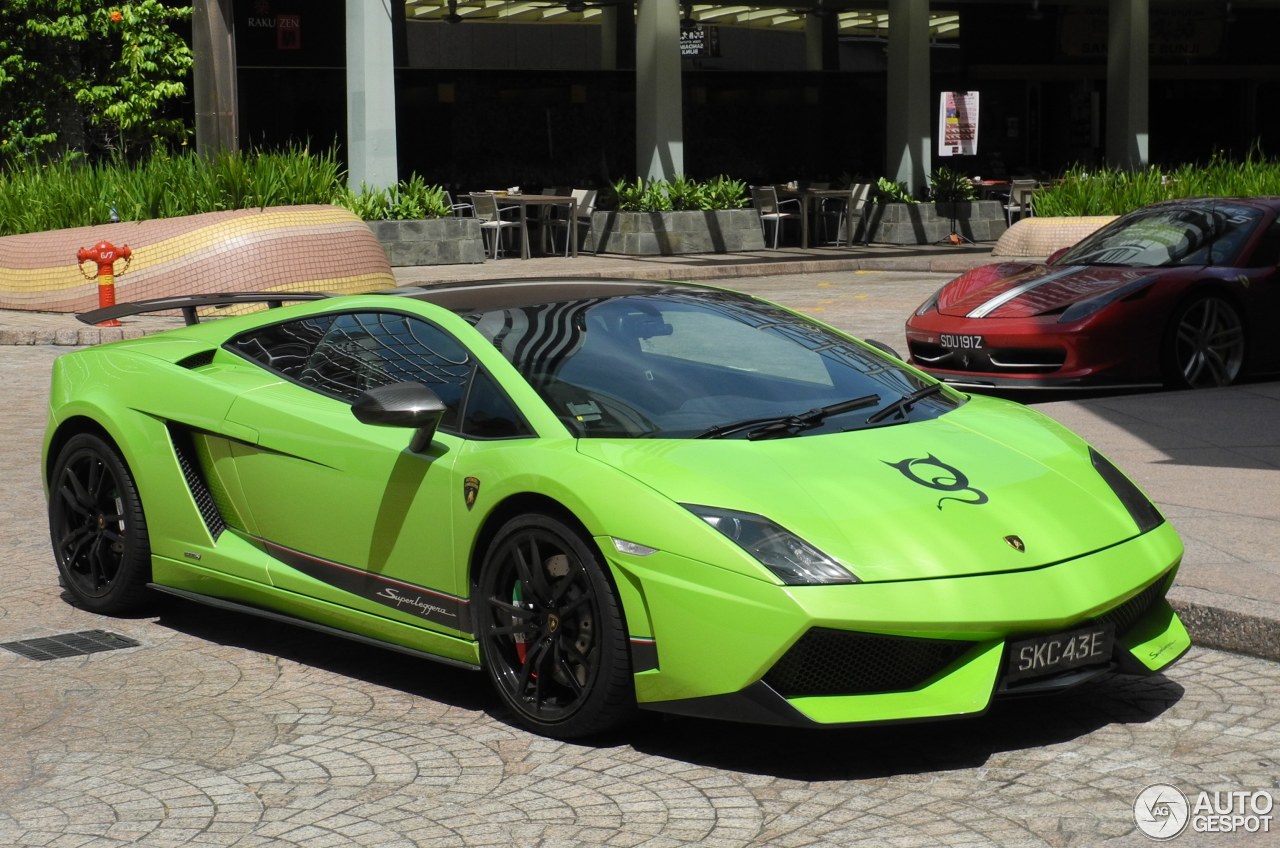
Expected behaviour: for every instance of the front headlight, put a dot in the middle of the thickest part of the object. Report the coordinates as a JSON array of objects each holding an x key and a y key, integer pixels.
[
  {"x": 1143, "y": 511},
  {"x": 930, "y": 304},
  {"x": 792, "y": 559},
  {"x": 1085, "y": 308}
]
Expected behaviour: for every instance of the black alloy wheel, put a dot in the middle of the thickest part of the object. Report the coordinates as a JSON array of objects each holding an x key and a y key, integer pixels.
[
  {"x": 551, "y": 630},
  {"x": 97, "y": 526},
  {"x": 1205, "y": 347}
]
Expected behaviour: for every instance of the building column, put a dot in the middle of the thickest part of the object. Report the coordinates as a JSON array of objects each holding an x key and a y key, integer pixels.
[
  {"x": 1128, "y": 75},
  {"x": 371, "y": 98},
  {"x": 659, "y": 116},
  {"x": 908, "y": 125},
  {"x": 214, "y": 77},
  {"x": 821, "y": 42}
]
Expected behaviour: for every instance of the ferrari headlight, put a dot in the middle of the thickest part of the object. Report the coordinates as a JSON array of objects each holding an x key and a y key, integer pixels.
[
  {"x": 1143, "y": 511},
  {"x": 1085, "y": 308},
  {"x": 792, "y": 559},
  {"x": 931, "y": 303}
]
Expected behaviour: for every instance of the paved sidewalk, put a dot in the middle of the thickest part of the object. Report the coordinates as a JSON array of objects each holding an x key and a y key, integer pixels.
[{"x": 1208, "y": 458}]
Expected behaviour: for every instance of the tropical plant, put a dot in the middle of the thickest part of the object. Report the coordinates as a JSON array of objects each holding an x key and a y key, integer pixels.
[
  {"x": 682, "y": 193},
  {"x": 887, "y": 191},
  {"x": 89, "y": 75},
  {"x": 950, "y": 186}
]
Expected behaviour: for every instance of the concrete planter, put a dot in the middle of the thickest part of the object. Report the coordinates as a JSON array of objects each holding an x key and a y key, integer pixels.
[
  {"x": 926, "y": 223},
  {"x": 673, "y": 233},
  {"x": 432, "y": 241}
]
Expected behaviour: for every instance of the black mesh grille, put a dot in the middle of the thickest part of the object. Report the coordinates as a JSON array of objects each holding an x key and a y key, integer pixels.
[
  {"x": 69, "y": 645},
  {"x": 197, "y": 360},
  {"x": 1127, "y": 614},
  {"x": 838, "y": 662},
  {"x": 185, "y": 452}
]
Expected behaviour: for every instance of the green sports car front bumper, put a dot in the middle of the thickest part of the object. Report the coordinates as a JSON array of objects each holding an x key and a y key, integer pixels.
[{"x": 729, "y": 646}]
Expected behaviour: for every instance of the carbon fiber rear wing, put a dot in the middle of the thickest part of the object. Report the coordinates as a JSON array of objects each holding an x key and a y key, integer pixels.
[{"x": 188, "y": 304}]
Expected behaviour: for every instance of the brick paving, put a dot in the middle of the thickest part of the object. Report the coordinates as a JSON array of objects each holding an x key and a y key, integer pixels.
[{"x": 221, "y": 730}]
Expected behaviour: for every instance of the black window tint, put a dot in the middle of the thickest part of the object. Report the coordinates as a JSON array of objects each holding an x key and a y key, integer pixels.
[
  {"x": 283, "y": 348},
  {"x": 490, "y": 413},
  {"x": 1267, "y": 253},
  {"x": 364, "y": 350}
]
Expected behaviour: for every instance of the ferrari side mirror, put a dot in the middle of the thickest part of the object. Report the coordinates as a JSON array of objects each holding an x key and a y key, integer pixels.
[
  {"x": 410, "y": 405},
  {"x": 883, "y": 347}
]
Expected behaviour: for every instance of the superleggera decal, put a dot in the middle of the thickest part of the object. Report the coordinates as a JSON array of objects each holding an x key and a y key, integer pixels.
[
  {"x": 434, "y": 606},
  {"x": 945, "y": 478}
]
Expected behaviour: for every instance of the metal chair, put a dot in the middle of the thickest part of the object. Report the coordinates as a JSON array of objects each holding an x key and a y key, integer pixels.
[
  {"x": 852, "y": 208},
  {"x": 458, "y": 210},
  {"x": 491, "y": 220},
  {"x": 586, "y": 205},
  {"x": 765, "y": 200},
  {"x": 1019, "y": 201}
]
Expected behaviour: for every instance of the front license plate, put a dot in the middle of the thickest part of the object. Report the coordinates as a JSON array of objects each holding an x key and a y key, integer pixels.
[
  {"x": 1044, "y": 655},
  {"x": 956, "y": 341}
]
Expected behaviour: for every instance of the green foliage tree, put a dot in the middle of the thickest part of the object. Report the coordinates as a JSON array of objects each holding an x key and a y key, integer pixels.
[{"x": 89, "y": 75}]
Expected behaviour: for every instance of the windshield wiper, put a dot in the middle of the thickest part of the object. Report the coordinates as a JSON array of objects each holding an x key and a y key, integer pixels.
[
  {"x": 903, "y": 405},
  {"x": 777, "y": 425}
]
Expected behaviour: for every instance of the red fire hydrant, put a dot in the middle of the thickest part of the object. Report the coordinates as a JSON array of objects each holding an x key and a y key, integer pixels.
[{"x": 105, "y": 254}]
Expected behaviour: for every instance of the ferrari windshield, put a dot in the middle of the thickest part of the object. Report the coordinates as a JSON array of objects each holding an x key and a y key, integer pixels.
[
  {"x": 701, "y": 364},
  {"x": 1188, "y": 234}
]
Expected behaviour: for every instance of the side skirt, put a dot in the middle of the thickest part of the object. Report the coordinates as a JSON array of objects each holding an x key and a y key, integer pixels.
[{"x": 233, "y": 606}]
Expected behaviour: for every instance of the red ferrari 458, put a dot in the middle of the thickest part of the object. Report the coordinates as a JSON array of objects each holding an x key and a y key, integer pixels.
[{"x": 1180, "y": 293}]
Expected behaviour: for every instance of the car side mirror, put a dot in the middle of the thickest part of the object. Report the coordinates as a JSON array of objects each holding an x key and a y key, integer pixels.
[
  {"x": 1056, "y": 255},
  {"x": 882, "y": 347},
  {"x": 410, "y": 405}
]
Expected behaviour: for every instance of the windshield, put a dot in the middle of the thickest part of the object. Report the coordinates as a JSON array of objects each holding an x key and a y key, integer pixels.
[
  {"x": 1201, "y": 234},
  {"x": 701, "y": 364}
]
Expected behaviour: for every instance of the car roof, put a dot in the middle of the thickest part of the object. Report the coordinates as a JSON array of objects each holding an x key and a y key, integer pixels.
[{"x": 487, "y": 295}]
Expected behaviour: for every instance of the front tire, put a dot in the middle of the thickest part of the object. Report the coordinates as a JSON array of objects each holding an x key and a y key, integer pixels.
[
  {"x": 98, "y": 528},
  {"x": 551, "y": 631},
  {"x": 1205, "y": 344}
]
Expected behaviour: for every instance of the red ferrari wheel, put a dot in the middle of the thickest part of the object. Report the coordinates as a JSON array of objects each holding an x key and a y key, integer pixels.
[{"x": 1205, "y": 344}]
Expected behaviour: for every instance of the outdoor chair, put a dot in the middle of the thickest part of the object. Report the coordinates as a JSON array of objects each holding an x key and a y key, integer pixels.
[
  {"x": 586, "y": 205},
  {"x": 458, "y": 209},
  {"x": 765, "y": 200},
  {"x": 1019, "y": 201},
  {"x": 849, "y": 212},
  {"x": 491, "y": 220}
]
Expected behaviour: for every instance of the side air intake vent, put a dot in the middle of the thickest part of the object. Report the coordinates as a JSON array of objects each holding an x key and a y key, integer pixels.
[
  {"x": 197, "y": 360},
  {"x": 185, "y": 451}
]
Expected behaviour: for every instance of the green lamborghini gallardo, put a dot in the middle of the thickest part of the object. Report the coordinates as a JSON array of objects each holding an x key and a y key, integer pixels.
[{"x": 607, "y": 495}]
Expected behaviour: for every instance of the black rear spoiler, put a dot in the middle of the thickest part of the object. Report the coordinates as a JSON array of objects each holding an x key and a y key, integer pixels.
[{"x": 188, "y": 304}]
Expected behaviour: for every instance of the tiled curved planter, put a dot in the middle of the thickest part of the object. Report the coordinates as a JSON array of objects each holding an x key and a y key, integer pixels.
[
  {"x": 1039, "y": 236},
  {"x": 282, "y": 248}
]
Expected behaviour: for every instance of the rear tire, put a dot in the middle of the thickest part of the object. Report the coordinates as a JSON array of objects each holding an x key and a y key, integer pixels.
[
  {"x": 1204, "y": 344},
  {"x": 551, "y": 631},
  {"x": 98, "y": 528}
]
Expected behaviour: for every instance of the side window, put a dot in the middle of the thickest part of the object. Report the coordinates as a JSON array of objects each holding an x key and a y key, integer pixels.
[
  {"x": 1267, "y": 253},
  {"x": 283, "y": 348},
  {"x": 364, "y": 350},
  {"x": 490, "y": 413}
]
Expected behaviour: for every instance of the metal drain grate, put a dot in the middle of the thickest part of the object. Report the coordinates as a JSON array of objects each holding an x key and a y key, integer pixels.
[{"x": 69, "y": 645}]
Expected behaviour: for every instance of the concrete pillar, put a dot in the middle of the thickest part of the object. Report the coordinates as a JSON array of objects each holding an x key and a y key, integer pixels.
[
  {"x": 1128, "y": 75},
  {"x": 371, "y": 97},
  {"x": 911, "y": 112},
  {"x": 821, "y": 42},
  {"x": 213, "y": 70},
  {"x": 659, "y": 120}
]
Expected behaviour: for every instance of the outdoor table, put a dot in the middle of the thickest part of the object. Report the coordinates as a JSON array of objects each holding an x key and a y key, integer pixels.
[
  {"x": 524, "y": 201},
  {"x": 988, "y": 188},
  {"x": 808, "y": 197}
]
